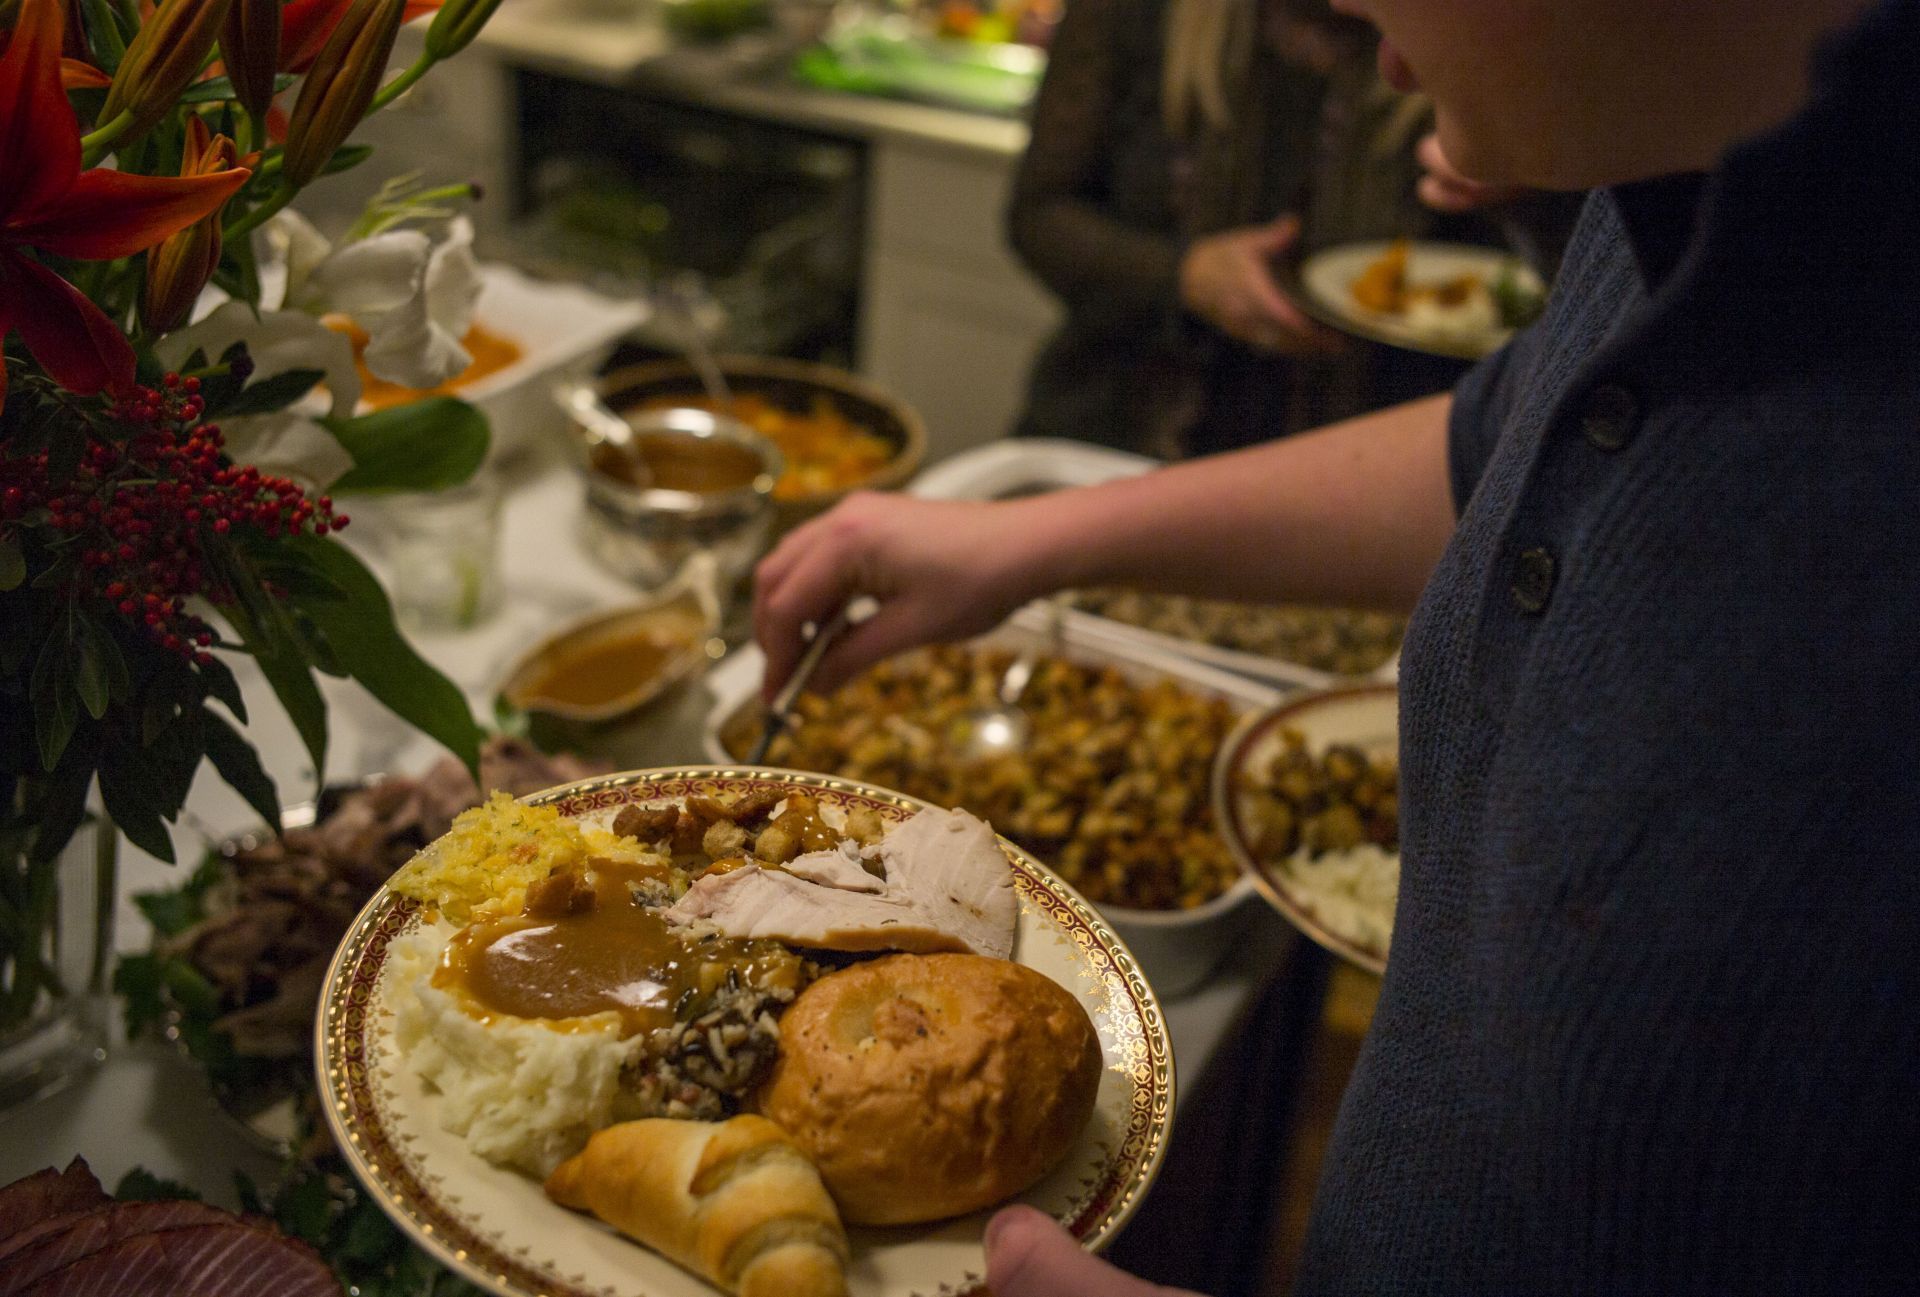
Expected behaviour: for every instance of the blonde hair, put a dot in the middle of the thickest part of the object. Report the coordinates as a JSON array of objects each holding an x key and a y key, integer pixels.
[{"x": 1208, "y": 41}]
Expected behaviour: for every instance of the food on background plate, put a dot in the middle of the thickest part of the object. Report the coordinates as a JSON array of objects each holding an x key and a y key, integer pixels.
[
  {"x": 1459, "y": 305},
  {"x": 1329, "y": 822},
  {"x": 735, "y": 1201},
  {"x": 825, "y": 451},
  {"x": 926, "y": 1087},
  {"x": 491, "y": 352},
  {"x": 61, "y": 1233},
  {"x": 1112, "y": 791},
  {"x": 1338, "y": 641}
]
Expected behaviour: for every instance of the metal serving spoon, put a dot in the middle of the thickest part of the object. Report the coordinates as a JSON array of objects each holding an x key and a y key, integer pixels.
[
  {"x": 779, "y": 713},
  {"x": 1005, "y": 727}
]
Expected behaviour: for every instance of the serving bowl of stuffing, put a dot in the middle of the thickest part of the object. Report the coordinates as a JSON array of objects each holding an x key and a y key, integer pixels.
[
  {"x": 675, "y": 1032},
  {"x": 1111, "y": 791}
]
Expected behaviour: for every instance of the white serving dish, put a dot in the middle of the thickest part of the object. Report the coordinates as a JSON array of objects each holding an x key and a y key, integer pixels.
[
  {"x": 1021, "y": 465},
  {"x": 1017, "y": 464},
  {"x": 1178, "y": 950},
  {"x": 563, "y": 331}
]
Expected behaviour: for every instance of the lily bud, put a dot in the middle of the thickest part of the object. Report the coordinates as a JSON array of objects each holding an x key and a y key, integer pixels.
[
  {"x": 182, "y": 264},
  {"x": 167, "y": 53},
  {"x": 250, "y": 47},
  {"x": 455, "y": 26},
  {"x": 339, "y": 86}
]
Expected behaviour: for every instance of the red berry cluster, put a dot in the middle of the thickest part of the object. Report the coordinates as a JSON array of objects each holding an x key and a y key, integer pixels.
[{"x": 137, "y": 515}]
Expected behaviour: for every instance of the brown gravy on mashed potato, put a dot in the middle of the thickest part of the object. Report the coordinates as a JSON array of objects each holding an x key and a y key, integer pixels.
[{"x": 586, "y": 944}]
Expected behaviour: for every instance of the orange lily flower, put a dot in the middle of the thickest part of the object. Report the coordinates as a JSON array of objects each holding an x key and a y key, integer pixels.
[
  {"x": 47, "y": 202},
  {"x": 306, "y": 24},
  {"x": 78, "y": 74}
]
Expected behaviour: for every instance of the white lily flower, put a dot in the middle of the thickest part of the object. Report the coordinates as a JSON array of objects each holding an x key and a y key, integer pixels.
[{"x": 414, "y": 300}]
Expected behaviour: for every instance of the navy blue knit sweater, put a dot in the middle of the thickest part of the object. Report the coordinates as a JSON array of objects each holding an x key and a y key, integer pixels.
[{"x": 1652, "y": 1020}]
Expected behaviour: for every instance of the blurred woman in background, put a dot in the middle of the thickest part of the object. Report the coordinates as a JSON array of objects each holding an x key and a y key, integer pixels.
[{"x": 1180, "y": 150}]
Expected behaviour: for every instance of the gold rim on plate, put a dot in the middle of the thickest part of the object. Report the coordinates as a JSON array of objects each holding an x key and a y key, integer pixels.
[
  {"x": 351, "y": 1043},
  {"x": 1252, "y": 731}
]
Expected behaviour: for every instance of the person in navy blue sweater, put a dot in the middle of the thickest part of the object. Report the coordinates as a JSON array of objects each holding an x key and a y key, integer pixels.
[{"x": 1652, "y": 1019}]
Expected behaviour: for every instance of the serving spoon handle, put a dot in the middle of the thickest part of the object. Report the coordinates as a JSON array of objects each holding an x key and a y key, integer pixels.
[{"x": 782, "y": 706}]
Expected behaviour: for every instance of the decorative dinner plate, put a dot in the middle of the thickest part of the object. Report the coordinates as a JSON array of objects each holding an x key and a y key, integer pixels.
[
  {"x": 1326, "y": 280},
  {"x": 497, "y": 1228},
  {"x": 1366, "y": 717}
]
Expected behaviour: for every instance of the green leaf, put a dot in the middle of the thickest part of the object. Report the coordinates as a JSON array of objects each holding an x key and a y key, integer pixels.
[
  {"x": 55, "y": 708},
  {"x": 131, "y": 810},
  {"x": 220, "y": 683},
  {"x": 104, "y": 38},
  {"x": 304, "y": 1209},
  {"x": 360, "y": 628},
  {"x": 264, "y": 631},
  {"x": 63, "y": 800},
  {"x": 170, "y": 913},
  {"x": 137, "y": 981},
  {"x": 112, "y": 660},
  {"x": 90, "y": 670},
  {"x": 249, "y": 1195},
  {"x": 239, "y": 765},
  {"x": 216, "y": 89},
  {"x": 369, "y": 1235},
  {"x": 347, "y": 158},
  {"x": 427, "y": 445},
  {"x": 270, "y": 394},
  {"x": 13, "y": 564},
  {"x": 156, "y": 714},
  {"x": 141, "y": 1185}
]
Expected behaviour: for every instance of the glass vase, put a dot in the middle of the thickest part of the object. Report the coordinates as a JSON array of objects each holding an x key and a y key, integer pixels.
[{"x": 56, "y": 952}]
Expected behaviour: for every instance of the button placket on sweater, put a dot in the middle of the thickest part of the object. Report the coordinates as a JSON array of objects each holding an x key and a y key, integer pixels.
[{"x": 1608, "y": 419}]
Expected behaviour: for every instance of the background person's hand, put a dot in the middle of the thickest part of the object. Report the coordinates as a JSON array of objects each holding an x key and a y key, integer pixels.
[
  {"x": 940, "y": 570},
  {"x": 1227, "y": 280},
  {"x": 1445, "y": 189},
  {"x": 1029, "y": 1255}
]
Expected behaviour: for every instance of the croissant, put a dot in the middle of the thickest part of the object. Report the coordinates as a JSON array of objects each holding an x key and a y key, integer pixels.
[{"x": 735, "y": 1202}]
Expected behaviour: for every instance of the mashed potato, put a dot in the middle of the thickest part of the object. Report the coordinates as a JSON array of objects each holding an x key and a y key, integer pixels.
[{"x": 520, "y": 1093}]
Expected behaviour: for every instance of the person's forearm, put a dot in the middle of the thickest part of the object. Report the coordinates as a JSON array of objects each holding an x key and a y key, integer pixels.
[{"x": 1353, "y": 514}]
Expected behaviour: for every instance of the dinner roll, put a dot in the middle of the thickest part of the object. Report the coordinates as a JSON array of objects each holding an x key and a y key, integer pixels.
[{"x": 925, "y": 1086}]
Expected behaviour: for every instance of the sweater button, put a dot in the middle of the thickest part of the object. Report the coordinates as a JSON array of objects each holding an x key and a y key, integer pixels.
[
  {"x": 1609, "y": 418},
  {"x": 1533, "y": 574}
]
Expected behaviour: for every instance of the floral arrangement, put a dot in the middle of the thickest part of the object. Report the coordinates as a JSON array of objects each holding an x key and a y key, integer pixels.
[{"x": 170, "y": 485}]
